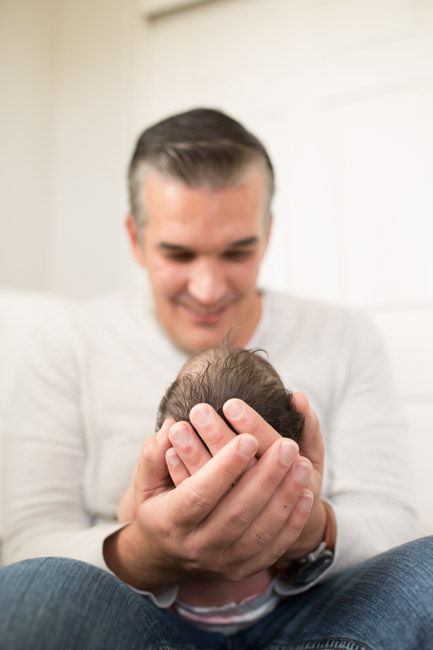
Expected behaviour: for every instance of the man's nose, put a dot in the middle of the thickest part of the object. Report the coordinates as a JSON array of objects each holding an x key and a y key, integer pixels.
[{"x": 207, "y": 283}]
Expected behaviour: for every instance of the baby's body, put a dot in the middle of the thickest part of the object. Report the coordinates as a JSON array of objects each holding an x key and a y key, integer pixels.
[{"x": 213, "y": 377}]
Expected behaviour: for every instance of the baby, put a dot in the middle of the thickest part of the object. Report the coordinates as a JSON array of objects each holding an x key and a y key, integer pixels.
[
  {"x": 213, "y": 377},
  {"x": 220, "y": 373}
]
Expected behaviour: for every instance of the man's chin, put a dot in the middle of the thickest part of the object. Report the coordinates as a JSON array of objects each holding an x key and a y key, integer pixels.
[{"x": 197, "y": 339}]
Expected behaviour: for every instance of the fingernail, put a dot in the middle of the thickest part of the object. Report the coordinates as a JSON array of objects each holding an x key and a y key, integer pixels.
[
  {"x": 200, "y": 414},
  {"x": 247, "y": 446},
  {"x": 172, "y": 457},
  {"x": 302, "y": 472},
  {"x": 287, "y": 452},
  {"x": 180, "y": 434},
  {"x": 233, "y": 408},
  {"x": 305, "y": 502}
]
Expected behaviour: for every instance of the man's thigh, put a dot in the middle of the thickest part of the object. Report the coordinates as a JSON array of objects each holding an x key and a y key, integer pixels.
[
  {"x": 382, "y": 604},
  {"x": 385, "y": 603},
  {"x": 62, "y": 604}
]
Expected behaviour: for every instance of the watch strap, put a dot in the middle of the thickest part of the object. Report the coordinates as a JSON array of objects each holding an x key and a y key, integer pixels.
[{"x": 330, "y": 528}]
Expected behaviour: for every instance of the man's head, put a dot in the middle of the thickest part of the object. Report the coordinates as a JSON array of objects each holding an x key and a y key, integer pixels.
[
  {"x": 201, "y": 187},
  {"x": 216, "y": 375},
  {"x": 200, "y": 148}
]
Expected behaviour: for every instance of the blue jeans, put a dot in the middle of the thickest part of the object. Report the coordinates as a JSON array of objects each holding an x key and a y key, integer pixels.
[{"x": 385, "y": 603}]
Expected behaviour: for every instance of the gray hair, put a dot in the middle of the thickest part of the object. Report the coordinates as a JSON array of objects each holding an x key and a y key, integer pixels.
[{"x": 198, "y": 147}]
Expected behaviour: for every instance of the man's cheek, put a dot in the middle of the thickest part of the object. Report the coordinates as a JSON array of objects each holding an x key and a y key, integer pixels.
[
  {"x": 245, "y": 278},
  {"x": 167, "y": 279}
]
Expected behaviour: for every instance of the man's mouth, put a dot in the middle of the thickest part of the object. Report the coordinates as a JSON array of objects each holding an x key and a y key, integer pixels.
[{"x": 205, "y": 315}]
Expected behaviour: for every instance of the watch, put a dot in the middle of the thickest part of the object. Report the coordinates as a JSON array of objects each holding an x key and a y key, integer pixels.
[{"x": 311, "y": 566}]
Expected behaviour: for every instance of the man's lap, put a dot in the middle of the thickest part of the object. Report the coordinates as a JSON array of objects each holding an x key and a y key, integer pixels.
[
  {"x": 382, "y": 604},
  {"x": 385, "y": 603}
]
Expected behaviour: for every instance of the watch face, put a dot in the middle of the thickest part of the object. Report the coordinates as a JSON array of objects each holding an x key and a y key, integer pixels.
[{"x": 310, "y": 571}]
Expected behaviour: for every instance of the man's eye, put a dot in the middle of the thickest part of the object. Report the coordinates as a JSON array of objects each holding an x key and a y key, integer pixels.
[
  {"x": 180, "y": 257},
  {"x": 237, "y": 256}
]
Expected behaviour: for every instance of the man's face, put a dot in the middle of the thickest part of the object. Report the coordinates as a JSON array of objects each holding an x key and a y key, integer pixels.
[{"x": 202, "y": 249}]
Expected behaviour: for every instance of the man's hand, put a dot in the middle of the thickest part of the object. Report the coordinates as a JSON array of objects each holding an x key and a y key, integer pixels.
[
  {"x": 189, "y": 454},
  {"x": 221, "y": 521}
]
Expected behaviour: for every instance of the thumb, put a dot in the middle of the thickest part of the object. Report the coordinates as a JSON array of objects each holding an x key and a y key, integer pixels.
[
  {"x": 151, "y": 476},
  {"x": 311, "y": 442}
]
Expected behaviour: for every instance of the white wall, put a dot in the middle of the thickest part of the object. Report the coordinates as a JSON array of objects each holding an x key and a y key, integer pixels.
[
  {"x": 67, "y": 105},
  {"x": 92, "y": 143},
  {"x": 26, "y": 107},
  {"x": 341, "y": 92}
]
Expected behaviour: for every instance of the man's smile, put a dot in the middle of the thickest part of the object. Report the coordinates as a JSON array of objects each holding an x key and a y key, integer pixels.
[{"x": 205, "y": 314}]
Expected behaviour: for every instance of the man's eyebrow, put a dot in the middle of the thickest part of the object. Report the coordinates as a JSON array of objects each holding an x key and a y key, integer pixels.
[
  {"x": 166, "y": 246},
  {"x": 247, "y": 241},
  {"x": 239, "y": 243}
]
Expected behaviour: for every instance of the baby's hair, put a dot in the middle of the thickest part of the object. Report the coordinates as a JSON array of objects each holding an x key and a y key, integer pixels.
[{"x": 220, "y": 373}]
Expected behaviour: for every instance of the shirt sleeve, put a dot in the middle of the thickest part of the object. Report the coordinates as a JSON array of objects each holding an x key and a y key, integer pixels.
[
  {"x": 45, "y": 456},
  {"x": 368, "y": 454},
  {"x": 371, "y": 484}
]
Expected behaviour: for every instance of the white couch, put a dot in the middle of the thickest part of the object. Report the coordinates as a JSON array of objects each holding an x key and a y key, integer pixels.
[{"x": 21, "y": 311}]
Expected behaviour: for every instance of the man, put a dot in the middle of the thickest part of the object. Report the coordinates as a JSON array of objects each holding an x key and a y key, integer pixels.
[{"x": 201, "y": 189}]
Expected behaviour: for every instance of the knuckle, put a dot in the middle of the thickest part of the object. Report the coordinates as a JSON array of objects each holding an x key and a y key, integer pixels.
[
  {"x": 192, "y": 554},
  {"x": 194, "y": 461},
  {"x": 195, "y": 500},
  {"x": 243, "y": 547},
  {"x": 216, "y": 436},
  {"x": 272, "y": 478},
  {"x": 241, "y": 516},
  {"x": 262, "y": 536}
]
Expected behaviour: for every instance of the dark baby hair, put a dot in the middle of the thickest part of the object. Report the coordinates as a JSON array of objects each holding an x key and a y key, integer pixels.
[{"x": 221, "y": 373}]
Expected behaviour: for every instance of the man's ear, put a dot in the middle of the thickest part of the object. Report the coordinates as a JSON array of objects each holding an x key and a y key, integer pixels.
[{"x": 135, "y": 240}]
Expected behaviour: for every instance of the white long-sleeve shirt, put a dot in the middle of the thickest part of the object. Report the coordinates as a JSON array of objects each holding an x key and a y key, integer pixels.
[{"x": 87, "y": 397}]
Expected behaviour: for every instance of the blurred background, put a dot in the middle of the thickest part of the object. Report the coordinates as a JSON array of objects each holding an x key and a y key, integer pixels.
[{"x": 340, "y": 91}]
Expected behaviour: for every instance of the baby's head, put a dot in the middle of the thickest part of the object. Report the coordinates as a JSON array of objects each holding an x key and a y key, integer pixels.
[{"x": 220, "y": 373}]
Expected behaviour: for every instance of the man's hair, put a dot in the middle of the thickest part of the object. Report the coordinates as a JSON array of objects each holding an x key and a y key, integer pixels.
[
  {"x": 220, "y": 373},
  {"x": 199, "y": 147}
]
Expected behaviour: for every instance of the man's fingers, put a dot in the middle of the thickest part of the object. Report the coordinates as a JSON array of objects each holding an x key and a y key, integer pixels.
[
  {"x": 196, "y": 497},
  {"x": 176, "y": 468},
  {"x": 189, "y": 447},
  {"x": 287, "y": 535},
  {"x": 311, "y": 443},
  {"x": 245, "y": 419},
  {"x": 271, "y": 519},
  {"x": 151, "y": 475},
  {"x": 211, "y": 427},
  {"x": 255, "y": 490}
]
